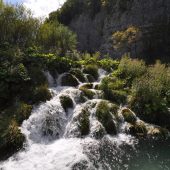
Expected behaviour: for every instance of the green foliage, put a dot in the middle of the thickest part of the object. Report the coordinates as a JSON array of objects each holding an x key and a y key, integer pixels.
[
  {"x": 56, "y": 38},
  {"x": 66, "y": 102},
  {"x": 18, "y": 27},
  {"x": 11, "y": 140},
  {"x": 150, "y": 97},
  {"x": 126, "y": 38}
]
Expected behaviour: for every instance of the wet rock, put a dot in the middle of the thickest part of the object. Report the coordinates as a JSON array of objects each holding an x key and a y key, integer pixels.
[
  {"x": 138, "y": 129},
  {"x": 98, "y": 131},
  {"x": 88, "y": 93},
  {"x": 87, "y": 86},
  {"x": 158, "y": 132},
  {"x": 128, "y": 115},
  {"x": 84, "y": 123},
  {"x": 78, "y": 73},
  {"x": 90, "y": 78},
  {"x": 69, "y": 80},
  {"x": 103, "y": 114},
  {"x": 66, "y": 102}
]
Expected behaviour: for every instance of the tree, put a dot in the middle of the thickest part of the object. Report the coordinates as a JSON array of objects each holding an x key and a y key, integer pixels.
[
  {"x": 126, "y": 38},
  {"x": 55, "y": 37}
]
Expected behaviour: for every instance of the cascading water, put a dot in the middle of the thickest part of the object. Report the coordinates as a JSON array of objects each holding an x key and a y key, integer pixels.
[{"x": 54, "y": 142}]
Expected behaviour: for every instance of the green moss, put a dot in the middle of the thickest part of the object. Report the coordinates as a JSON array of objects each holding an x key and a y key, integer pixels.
[
  {"x": 87, "y": 86},
  {"x": 84, "y": 125},
  {"x": 103, "y": 113},
  {"x": 92, "y": 70},
  {"x": 42, "y": 94},
  {"x": 129, "y": 116},
  {"x": 116, "y": 96},
  {"x": 66, "y": 102},
  {"x": 90, "y": 94},
  {"x": 69, "y": 80},
  {"x": 139, "y": 129},
  {"x": 77, "y": 73}
]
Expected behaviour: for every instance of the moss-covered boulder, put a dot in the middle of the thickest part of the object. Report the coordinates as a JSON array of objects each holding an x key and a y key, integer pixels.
[
  {"x": 138, "y": 129},
  {"x": 98, "y": 131},
  {"x": 158, "y": 132},
  {"x": 90, "y": 78},
  {"x": 84, "y": 123},
  {"x": 78, "y": 73},
  {"x": 66, "y": 102},
  {"x": 104, "y": 115},
  {"x": 42, "y": 94},
  {"x": 92, "y": 70},
  {"x": 88, "y": 93},
  {"x": 11, "y": 140},
  {"x": 128, "y": 115},
  {"x": 87, "y": 85},
  {"x": 69, "y": 80}
]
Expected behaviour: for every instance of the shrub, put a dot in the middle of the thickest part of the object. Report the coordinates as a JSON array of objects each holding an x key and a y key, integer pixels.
[
  {"x": 11, "y": 140},
  {"x": 23, "y": 112},
  {"x": 66, "y": 102},
  {"x": 130, "y": 69}
]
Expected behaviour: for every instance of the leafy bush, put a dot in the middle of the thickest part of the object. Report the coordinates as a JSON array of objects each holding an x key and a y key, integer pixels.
[
  {"x": 149, "y": 95},
  {"x": 11, "y": 141}
]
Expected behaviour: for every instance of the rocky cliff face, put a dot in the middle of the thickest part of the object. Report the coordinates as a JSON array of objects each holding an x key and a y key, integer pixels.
[{"x": 153, "y": 17}]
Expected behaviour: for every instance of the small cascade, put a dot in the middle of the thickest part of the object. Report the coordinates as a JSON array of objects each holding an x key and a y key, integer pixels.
[{"x": 71, "y": 136}]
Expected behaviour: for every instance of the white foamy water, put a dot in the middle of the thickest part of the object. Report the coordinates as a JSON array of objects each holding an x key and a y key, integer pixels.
[{"x": 53, "y": 140}]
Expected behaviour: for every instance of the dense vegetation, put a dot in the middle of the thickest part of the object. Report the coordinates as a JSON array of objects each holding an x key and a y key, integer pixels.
[{"x": 29, "y": 48}]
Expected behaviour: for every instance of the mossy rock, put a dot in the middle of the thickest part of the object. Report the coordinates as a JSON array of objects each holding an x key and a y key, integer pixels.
[
  {"x": 90, "y": 94},
  {"x": 78, "y": 73},
  {"x": 41, "y": 94},
  {"x": 84, "y": 123},
  {"x": 158, "y": 132},
  {"x": 138, "y": 129},
  {"x": 87, "y": 85},
  {"x": 99, "y": 132},
  {"x": 103, "y": 114},
  {"x": 69, "y": 80},
  {"x": 11, "y": 140},
  {"x": 90, "y": 78},
  {"x": 129, "y": 116},
  {"x": 92, "y": 70},
  {"x": 66, "y": 102}
]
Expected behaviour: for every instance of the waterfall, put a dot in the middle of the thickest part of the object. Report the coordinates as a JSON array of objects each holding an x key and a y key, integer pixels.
[{"x": 54, "y": 141}]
